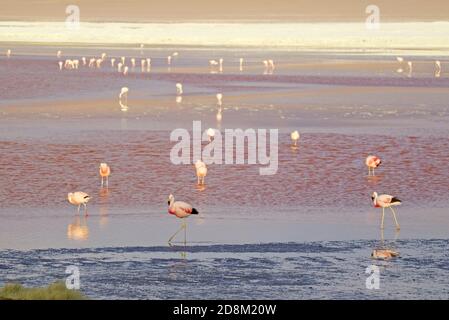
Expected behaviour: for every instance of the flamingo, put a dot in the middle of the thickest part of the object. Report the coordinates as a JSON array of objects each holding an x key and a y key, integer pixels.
[
  {"x": 372, "y": 162},
  {"x": 410, "y": 68},
  {"x": 384, "y": 254},
  {"x": 175, "y": 54},
  {"x": 179, "y": 89},
  {"x": 271, "y": 64},
  {"x": 98, "y": 62},
  {"x": 400, "y": 59},
  {"x": 76, "y": 63},
  {"x": 112, "y": 62},
  {"x": 180, "y": 210},
  {"x": 84, "y": 61},
  {"x": 58, "y": 54},
  {"x": 133, "y": 62},
  {"x": 8, "y": 53},
  {"x": 386, "y": 201},
  {"x": 142, "y": 64},
  {"x": 105, "y": 171},
  {"x": 123, "y": 60},
  {"x": 119, "y": 67},
  {"x": 295, "y": 137},
  {"x": 148, "y": 62},
  {"x": 91, "y": 62},
  {"x": 124, "y": 93},
  {"x": 219, "y": 99},
  {"x": 213, "y": 63},
  {"x": 221, "y": 64},
  {"x": 201, "y": 171},
  {"x": 79, "y": 198},
  {"x": 438, "y": 69},
  {"x": 60, "y": 65},
  {"x": 103, "y": 56},
  {"x": 169, "y": 60},
  {"x": 241, "y": 64},
  {"x": 210, "y": 134},
  {"x": 125, "y": 70}
]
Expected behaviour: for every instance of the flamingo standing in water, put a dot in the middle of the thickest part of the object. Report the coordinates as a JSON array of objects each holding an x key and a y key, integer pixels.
[
  {"x": 124, "y": 94},
  {"x": 201, "y": 171},
  {"x": 437, "y": 69},
  {"x": 386, "y": 201},
  {"x": 133, "y": 62},
  {"x": 169, "y": 60},
  {"x": 60, "y": 63},
  {"x": 241, "y": 64},
  {"x": 105, "y": 171},
  {"x": 372, "y": 162},
  {"x": 125, "y": 70},
  {"x": 79, "y": 198},
  {"x": 181, "y": 210},
  {"x": 179, "y": 89},
  {"x": 8, "y": 53},
  {"x": 295, "y": 137},
  {"x": 84, "y": 61},
  {"x": 112, "y": 62},
  {"x": 58, "y": 54}
]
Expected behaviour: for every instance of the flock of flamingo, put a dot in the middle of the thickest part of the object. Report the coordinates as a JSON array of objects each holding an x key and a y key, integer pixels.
[{"x": 182, "y": 209}]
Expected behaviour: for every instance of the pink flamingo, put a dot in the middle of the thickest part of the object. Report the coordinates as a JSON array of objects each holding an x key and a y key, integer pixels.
[
  {"x": 180, "y": 210},
  {"x": 386, "y": 201},
  {"x": 372, "y": 162},
  {"x": 201, "y": 171},
  {"x": 105, "y": 171},
  {"x": 79, "y": 198}
]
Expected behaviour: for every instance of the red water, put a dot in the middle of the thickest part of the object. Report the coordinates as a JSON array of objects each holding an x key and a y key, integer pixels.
[{"x": 326, "y": 170}]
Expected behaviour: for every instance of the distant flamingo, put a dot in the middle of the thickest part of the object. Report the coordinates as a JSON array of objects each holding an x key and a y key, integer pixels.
[
  {"x": 372, "y": 162},
  {"x": 295, "y": 137},
  {"x": 201, "y": 171},
  {"x": 125, "y": 70},
  {"x": 103, "y": 56},
  {"x": 92, "y": 62},
  {"x": 213, "y": 63},
  {"x": 8, "y": 53},
  {"x": 60, "y": 65},
  {"x": 181, "y": 210},
  {"x": 437, "y": 69},
  {"x": 79, "y": 198},
  {"x": 123, "y": 60},
  {"x": 133, "y": 62},
  {"x": 175, "y": 54},
  {"x": 58, "y": 54},
  {"x": 105, "y": 171},
  {"x": 179, "y": 89},
  {"x": 241, "y": 64},
  {"x": 112, "y": 62},
  {"x": 210, "y": 134},
  {"x": 142, "y": 64},
  {"x": 84, "y": 61},
  {"x": 386, "y": 201},
  {"x": 410, "y": 68},
  {"x": 169, "y": 60},
  {"x": 124, "y": 94},
  {"x": 219, "y": 115},
  {"x": 119, "y": 67},
  {"x": 98, "y": 63},
  {"x": 400, "y": 59},
  {"x": 220, "y": 64}
]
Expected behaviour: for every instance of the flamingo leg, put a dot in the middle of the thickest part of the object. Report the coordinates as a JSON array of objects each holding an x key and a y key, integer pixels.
[
  {"x": 79, "y": 207},
  {"x": 102, "y": 182},
  {"x": 395, "y": 219},
  {"x": 383, "y": 217},
  {"x": 185, "y": 233},
  {"x": 174, "y": 235},
  {"x": 107, "y": 182}
]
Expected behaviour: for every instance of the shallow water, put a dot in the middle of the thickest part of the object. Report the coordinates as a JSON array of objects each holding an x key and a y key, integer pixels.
[
  {"x": 314, "y": 270},
  {"x": 56, "y": 127}
]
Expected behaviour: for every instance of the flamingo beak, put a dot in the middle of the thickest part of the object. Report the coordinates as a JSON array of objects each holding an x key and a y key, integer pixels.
[{"x": 168, "y": 202}]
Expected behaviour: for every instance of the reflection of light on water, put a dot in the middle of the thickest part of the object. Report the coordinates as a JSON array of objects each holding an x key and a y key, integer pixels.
[
  {"x": 78, "y": 230},
  {"x": 178, "y": 99},
  {"x": 104, "y": 208}
]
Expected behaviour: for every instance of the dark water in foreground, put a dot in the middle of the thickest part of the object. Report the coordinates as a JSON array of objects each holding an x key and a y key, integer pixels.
[{"x": 315, "y": 270}]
